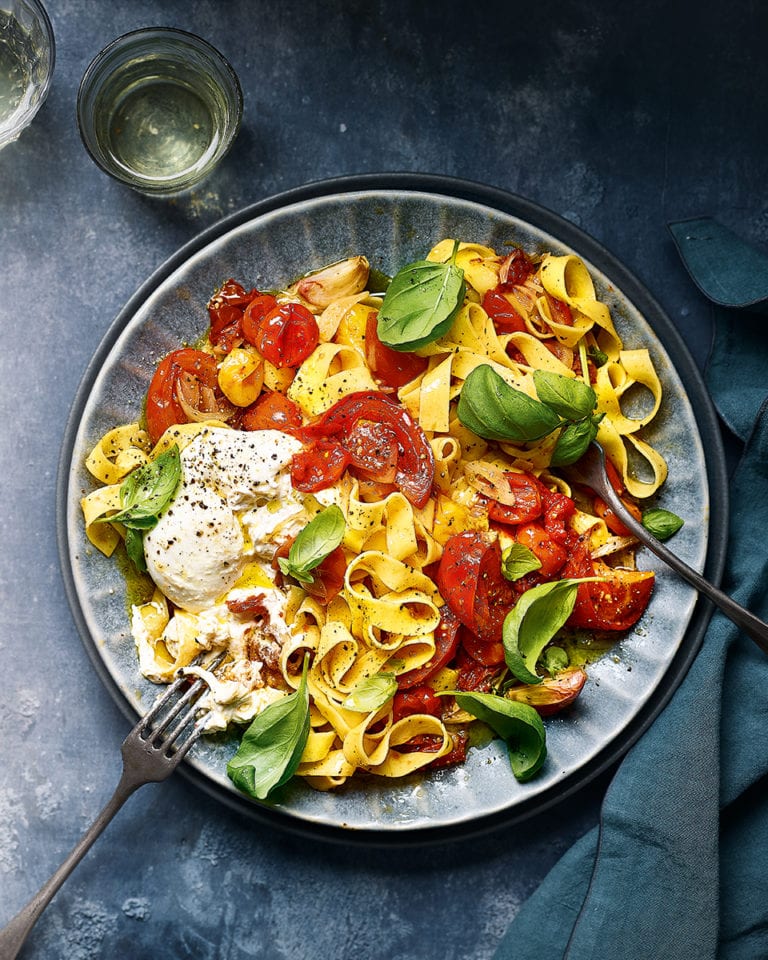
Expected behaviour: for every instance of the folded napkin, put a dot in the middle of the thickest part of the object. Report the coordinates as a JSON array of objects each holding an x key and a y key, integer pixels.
[{"x": 677, "y": 868}]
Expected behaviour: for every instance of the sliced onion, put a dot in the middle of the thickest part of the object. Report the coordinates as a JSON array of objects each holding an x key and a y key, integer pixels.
[
  {"x": 199, "y": 402},
  {"x": 489, "y": 480}
]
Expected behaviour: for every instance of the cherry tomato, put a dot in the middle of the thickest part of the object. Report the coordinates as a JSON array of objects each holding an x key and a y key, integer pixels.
[
  {"x": 558, "y": 509},
  {"x": 527, "y": 505},
  {"x": 254, "y": 313},
  {"x": 285, "y": 335},
  {"x": 420, "y": 699},
  {"x": 517, "y": 267},
  {"x": 539, "y": 541},
  {"x": 272, "y": 411},
  {"x": 225, "y": 310},
  {"x": 470, "y": 580},
  {"x": 446, "y": 644},
  {"x": 474, "y": 675},
  {"x": 561, "y": 312},
  {"x": 490, "y": 654},
  {"x": 392, "y": 367},
  {"x": 603, "y": 510},
  {"x": 163, "y": 407},
  {"x": 328, "y": 577},
  {"x": 505, "y": 318},
  {"x": 415, "y": 467},
  {"x": 318, "y": 466},
  {"x": 614, "y": 603}
]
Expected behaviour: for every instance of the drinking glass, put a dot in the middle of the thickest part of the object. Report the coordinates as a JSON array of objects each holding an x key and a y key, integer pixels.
[
  {"x": 27, "y": 55},
  {"x": 158, "y": 108}
]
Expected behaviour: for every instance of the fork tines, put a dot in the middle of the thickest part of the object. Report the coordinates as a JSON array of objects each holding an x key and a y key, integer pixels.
[{"x": 171, "y": 716}]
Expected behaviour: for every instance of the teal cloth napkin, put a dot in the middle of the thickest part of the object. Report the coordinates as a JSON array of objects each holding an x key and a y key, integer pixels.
[{"x": 677, "y": 868}]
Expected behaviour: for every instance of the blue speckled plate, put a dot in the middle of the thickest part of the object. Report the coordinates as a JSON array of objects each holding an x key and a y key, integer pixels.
[{"x": 394, "y": 219}]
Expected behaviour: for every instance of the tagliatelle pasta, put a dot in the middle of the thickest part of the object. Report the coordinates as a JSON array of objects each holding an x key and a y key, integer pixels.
[{"x": 387, "y": 624}]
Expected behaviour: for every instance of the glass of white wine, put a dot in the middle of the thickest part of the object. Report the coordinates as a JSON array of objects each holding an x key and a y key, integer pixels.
[
  {"x": 27, "y": 55},
  {"x": 158, "y": 109}
]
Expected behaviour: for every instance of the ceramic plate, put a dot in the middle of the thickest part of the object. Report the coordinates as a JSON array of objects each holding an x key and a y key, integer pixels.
[{"x": 393, "y": 220}]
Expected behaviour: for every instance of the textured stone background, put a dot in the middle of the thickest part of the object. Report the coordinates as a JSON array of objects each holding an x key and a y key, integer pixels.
[{"x": 619, "y": 117}]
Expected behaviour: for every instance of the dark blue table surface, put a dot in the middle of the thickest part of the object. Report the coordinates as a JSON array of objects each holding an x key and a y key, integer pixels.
[{"x": 618, "y": 117}]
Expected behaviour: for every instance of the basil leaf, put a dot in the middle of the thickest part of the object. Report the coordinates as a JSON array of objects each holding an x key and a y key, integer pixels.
[
  {"x": 134, "y": 546},
  {"x": 420, "y": 304},
  {"x": 319, "y": 538},
  {"x": 555, "y": 660},
  {"x": 494, "y": 410},
  {"x": 573, "y": 442},
  {"x": 569, "y": 397},
  {"x": 517, "y": 560},
  {"x": 517, "y": 723},
  {"x": 271, "y": 748},
  {"x": 533, "y": 622},
  {"x": 597, "y": 356},
  {"x": 663, "y": 524},
  {"x": 146, "y": 491},
  {"x": 371, "y": 693}
]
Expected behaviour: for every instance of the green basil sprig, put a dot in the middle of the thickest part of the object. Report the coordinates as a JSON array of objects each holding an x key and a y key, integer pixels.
[
  {"x": 533, "y": 622},
  {"x": 663, "y": 524},
  {"x": 314, "y": 543},
  {"x": 271, "y": 748},
  {"x": 421, "y": 303},
  {"x": 494, "y": 410},
  {"x": 144, "y": 494},
  {"x": 371, "y": 693},
  {"x": 517, "y": 560},
  {"x": 516, "y": 723}
]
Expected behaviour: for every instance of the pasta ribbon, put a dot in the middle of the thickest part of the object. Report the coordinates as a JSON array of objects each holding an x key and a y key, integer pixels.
[
  {"x": 567, "y": 278},
  {"x": 118, "y": 453},
  {"x": 330, "y": 372}
]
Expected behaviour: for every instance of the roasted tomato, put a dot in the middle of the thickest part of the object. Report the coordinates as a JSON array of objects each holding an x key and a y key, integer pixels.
[
  {"x": 528, "y": 503},
  {"x": 284, "y": 335},
  {"x": 255, "y": 311},
  {"x": 225, "y": 311},
  {"x": 614, "y": 603},
  {"x": 394, "y": 368},
  {"x": 318, "y": 465},
  {"x": 548, "y": 551},
  {"x": 421, "y": 699},
  {"x": 446, "y": 644},
  {"x": 188, "y": 378},
  {"x": 470, "y": 580},
  {"x": 272, "y": 411},
  {"x": 368, "y": 425},
  {"x": 505, "y": 318}
]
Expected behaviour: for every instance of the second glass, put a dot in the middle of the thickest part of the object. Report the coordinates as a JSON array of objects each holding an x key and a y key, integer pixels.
[{"x": 158, "y": 109}]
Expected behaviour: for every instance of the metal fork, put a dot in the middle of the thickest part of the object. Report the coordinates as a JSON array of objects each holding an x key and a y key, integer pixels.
[{"x": 151, "y": 752}]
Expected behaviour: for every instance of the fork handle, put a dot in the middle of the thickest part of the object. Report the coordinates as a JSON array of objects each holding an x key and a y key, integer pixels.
[{"x": 16, "y": 931}]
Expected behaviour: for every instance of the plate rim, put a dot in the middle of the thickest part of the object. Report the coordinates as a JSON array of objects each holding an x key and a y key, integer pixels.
[{"x": 703, "y": 411}]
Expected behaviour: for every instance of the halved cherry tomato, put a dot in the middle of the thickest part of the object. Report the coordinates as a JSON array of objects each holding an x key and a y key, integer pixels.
[
  {"x": 420, "y": 699},
  {"x": 328, "y": 577},
  {"x": 285, "y": 335},
  {"x": 395, "y": 368},
  {"x": 474, "y": 675},
  {"x": 558, "y": 509},
  {"x": 561, "y": 312},
  {"x": 415, "y": 468},
  {"x": 318, "y": 466},
  {"x": 505, "y": 318},
  {"x": 539, "y": 541},
  {"x": 225, "y": 310},
  {"x": 254, "y": 314},
  {"x": 373, "y": 450},
  {"x": 446, "y": 644},
  {"x": 527, "y": 505},
  {"x": 272, "y": 411},
  {"x": 516, "y": 268},
  {"x": 470, "y": 580},
  {"x": 615, "y": 603},
  {"x": 490, "y": 654},
  {"x": 163, "y": 407},
  {"x": 603, "y": 510}
]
